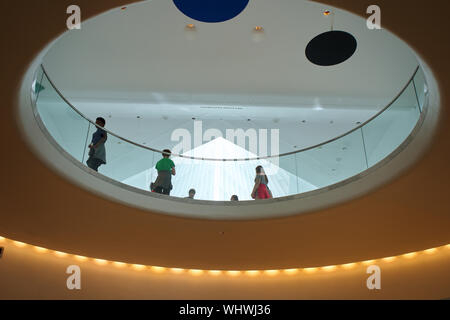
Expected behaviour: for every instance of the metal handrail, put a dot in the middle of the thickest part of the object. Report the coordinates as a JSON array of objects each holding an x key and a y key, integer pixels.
[{"x": 242, "y": 159}]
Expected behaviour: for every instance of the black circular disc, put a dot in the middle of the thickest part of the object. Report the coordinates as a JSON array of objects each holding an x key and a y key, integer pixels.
[
  {"x": 331, "y": 48},
  {"x": 211, "y": 10}
]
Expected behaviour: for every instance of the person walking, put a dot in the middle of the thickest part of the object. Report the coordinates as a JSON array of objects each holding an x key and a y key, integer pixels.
[
  {"x": 166, "y": 169},
  {"x": 97, "y": 151},
  {"x": 261, "y": 190}
]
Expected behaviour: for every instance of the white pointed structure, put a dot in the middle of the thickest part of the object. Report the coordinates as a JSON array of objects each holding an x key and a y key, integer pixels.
[{"x": 219, "y": 180}]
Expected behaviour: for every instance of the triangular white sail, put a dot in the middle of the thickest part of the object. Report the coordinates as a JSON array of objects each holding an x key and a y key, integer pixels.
[{"x": 219, "y": 180}]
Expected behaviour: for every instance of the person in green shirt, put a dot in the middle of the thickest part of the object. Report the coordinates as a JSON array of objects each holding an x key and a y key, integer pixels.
[{"x": 166, "y": 169}]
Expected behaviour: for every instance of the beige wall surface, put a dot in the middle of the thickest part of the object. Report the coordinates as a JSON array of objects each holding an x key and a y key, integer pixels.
[{"x": 26, "y": 273}]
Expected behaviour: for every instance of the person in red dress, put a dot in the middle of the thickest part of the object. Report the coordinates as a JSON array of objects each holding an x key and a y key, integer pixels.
[{"x": 261, "y": 190}]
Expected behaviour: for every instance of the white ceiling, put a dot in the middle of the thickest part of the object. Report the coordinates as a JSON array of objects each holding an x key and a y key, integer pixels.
[
  {"x": 298, "y": 127},
  {"x": 142, "y": 61}
]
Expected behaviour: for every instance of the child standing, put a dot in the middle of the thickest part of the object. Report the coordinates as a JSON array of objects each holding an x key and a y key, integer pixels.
[{"x": 166, "y": 169}]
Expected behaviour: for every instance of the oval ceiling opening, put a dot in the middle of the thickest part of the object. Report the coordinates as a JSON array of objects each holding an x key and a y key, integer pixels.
[{"x": 225, "y": 105}]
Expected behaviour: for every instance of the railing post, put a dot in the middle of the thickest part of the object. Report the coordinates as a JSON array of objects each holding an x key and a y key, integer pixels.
[
  {"x": 417, "y": 97},
  {"x": 296, "y": 172},
  {"x": 40, "y": 84},
  {"x": 85, "y": 143},
  {"x": 364, "y": 146}
]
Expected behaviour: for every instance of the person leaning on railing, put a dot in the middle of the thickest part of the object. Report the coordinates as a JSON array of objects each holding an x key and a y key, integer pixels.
[
  {"x": 166, "y": 169},
  {"x": 97, "y": 151}
]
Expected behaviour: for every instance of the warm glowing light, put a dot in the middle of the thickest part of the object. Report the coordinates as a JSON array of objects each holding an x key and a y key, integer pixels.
[
  {"x": 60, "y": 254},
  {"x": 430, "y": 251},
  {"x": 326, "y": 13},
  {"x": 190, "y": 26},
  {"x": 310, "y": 270},
  {"x": 410, "y": 255},
  {"x": 81, "y": 258},
  {"x": 138, "y": 267},
  {"x": 272, "y": 272},
  {"x": 389, "y": 259},
  {"x": 120, "y": 264},
  {"x": 19, "y": 244},
  {"x": 158, "y": 269},
  {"x": 100, "y": 261},
  {"x": 259, "y": 28},
  {"x": 177, "y": 270},
  {"x": 233, "y": 273},
  {"x": 329, "y": 268},
  {"x": 196, "y": 272},
  {"x": 349, "y": 265},
  {"x": 290, "y": 271}
]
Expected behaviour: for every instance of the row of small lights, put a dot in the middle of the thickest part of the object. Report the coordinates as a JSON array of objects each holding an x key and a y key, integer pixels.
[
  {"x": 191, "y": 26},
  {"x": 197, "y": 272}
]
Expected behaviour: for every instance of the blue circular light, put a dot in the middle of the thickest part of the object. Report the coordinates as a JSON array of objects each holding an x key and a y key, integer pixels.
[{"x": 211, "y": 10}]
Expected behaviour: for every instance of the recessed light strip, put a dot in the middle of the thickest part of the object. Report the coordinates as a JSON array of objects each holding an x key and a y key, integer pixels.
[{"x": 231, "y": 273}]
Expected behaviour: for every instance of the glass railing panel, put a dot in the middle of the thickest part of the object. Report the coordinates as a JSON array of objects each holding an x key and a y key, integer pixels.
[
  {"x": 291, "y": 174},
  {"x": 283, "y": 175},
  {"x": 64, "y": 124},
  {"x": 389, "y": 130},
  {"x": 238, "y": 179},
  {"x": 205, "y": 176},
  {"x": 332, "y": 162},
  {"x": 194, "y": 174},
  {"x": 127, "y": 162},
  {"x": 216, "y": 180}
]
